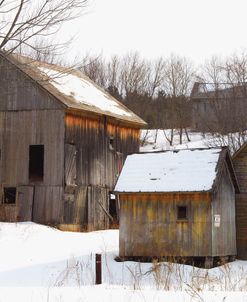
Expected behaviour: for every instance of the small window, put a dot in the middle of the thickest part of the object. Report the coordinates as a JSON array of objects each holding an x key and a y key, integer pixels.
[
  {"x": 111, "y": 142},
  {"x": 113, "y": 211},
  {"x": 182, "y": 213},
  {"x": 36, "y": 162},
  {"x": 9, "y": 195}
]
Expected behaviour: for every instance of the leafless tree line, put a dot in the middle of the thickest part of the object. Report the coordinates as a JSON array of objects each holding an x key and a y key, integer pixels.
[
  {"x": 160, "y": 92},
  {"x": 157, "y": 90}
]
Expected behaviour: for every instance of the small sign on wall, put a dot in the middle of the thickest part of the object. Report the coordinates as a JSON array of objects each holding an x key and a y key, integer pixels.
[{"x": 217, "y": 220}]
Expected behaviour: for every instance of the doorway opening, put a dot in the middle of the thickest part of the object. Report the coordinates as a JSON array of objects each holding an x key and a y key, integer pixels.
[{"x": 36, "y": 163}]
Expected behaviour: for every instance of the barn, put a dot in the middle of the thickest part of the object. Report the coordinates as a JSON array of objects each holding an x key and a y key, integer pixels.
[
  {"x": 178, "y": 204},
  {"x": 218, "y": 107},
  {"x": 239, "y": 159},
  {"x": 63, "y": 141}
]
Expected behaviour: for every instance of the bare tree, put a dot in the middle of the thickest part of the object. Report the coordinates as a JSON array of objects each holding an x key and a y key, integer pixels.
[
  {"x": 133, "y": 74},
  {"x": 22, "y": 22},
  {"x": 178, "y": 77},
  {"x": 155, "y": 75}
]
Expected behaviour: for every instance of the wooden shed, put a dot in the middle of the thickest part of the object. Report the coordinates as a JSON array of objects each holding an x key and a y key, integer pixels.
[
  {"x": 63, "y": 141},
  {"x": 240, "y": 166},
  {"x": 177, "y": 203}
]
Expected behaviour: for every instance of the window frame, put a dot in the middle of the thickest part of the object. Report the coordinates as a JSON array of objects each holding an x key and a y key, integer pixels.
[
  {"x": 186, "y": 217},
  {"x": 4, "y": 197}
]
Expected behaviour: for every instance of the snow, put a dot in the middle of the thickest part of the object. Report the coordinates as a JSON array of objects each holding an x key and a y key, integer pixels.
[
  {"x": 83, "y": 91},
  {"x": 158, "y": 140},
  {"x": 42, "y": 264},
  {"x": 170, "y": 171}
]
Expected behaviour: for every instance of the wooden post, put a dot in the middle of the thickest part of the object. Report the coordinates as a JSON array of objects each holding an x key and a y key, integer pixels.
[{"x": 98, "y": 269}]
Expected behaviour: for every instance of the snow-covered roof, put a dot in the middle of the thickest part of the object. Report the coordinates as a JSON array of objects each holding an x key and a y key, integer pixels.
[
  {"x": 170, "y": 171},
  {"x": 74, "y": 89}
]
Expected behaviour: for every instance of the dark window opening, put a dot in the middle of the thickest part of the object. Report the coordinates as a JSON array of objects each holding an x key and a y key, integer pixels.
[
  {"x": 9, "y": 195},
  {"x": 111, "y": 143},
  {"x": 182, "y": 213},
  {"x": 113, "y": 210},
  {"x": 36, "y": 162}
]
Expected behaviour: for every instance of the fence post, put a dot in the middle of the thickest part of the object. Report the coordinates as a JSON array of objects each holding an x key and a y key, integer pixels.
[{"x": 98, "y": 269}]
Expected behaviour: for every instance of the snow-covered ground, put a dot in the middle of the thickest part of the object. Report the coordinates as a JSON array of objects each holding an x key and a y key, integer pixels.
[
  {"x": 39, "y": 263},
  {"x": 159, "y": 139}
]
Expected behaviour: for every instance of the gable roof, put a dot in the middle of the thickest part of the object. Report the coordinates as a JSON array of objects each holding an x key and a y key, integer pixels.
[
  {"x": 203, "y": 90},
  {"x": 190, "y": 170},
  {"x": 73, "y": 89}
]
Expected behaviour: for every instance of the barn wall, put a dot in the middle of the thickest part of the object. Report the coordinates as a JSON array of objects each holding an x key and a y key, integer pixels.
[
  {"x": 95, "y": 161},
  {"x": 240, "y": 166},
  {"x": 224, "y": 236},
  {"x": 149, "y": 225},
  {"x": 241, "y": 225},
  {"x": 20, "y": 92},
  {"x": 219, "y": 114},
  {"x": 19, "y": 130}
]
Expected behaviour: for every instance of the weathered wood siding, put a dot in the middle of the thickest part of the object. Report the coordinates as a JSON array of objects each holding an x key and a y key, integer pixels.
[
  {"x": 149, "y": 225},
  {"x": 218, "y": 114},
  {"x": 100, "y": 147},
  {"x": 241, "y": 225},
  {"x": 98, "y": 164},
  {"x": 223, "y": 204},
  {"x": 79, "y": 169},
  {"x": 240, "y": 166},
  {"x": 19, "y": 130},
  {"x": 20, "y": 92}
]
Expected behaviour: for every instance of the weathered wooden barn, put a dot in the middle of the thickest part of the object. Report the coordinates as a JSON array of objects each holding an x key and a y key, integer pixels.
[
  {"x": 177, "y": 204},
  {"x": 63, "y": 141},
  {"x": 240, "y": 166},
  {"x": 219, "y": 107}
]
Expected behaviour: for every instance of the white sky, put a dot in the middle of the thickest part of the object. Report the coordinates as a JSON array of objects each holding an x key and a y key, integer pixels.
[{"x": 193, "y": 28}]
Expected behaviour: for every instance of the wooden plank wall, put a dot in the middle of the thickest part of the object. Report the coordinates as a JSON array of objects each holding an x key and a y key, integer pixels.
[
  {"x": 20, "y": 92},
  {"x": 97, "y": 164},
  {"x": 37, "y": 127},
  {"x": 241, "y": 225},
  {"x": 211, "y": 114},
  {"x": 97, "y": 204},
  {"x": 223, "y": 204},
  {"x": 240, "y": 166},
  {"x": 149, "y": 226}
]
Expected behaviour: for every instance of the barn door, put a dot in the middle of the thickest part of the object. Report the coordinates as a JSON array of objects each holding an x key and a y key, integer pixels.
[
  {"x": 70, "y": 165},
  {"x": 25, "y": 203}
]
